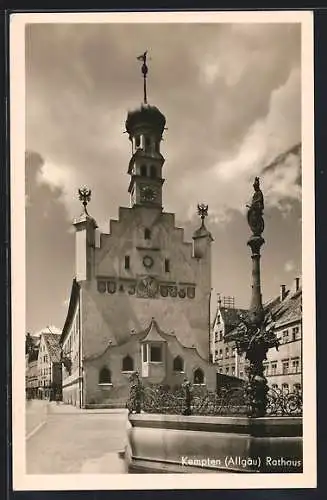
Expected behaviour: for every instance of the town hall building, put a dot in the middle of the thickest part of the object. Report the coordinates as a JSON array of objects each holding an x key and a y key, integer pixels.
[{"x": 141, "y": 293}]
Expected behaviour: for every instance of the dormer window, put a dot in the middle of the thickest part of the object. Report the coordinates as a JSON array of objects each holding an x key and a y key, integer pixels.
[{"x": 147, "y": 234}]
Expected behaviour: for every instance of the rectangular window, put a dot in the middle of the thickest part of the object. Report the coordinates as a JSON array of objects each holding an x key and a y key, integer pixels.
[
  {"x": 274, "y": 368},
  {"x": 296, "y": 365},
  {"x": 127, "y": 262},
  {"x": 145, "y": 353},
  {"x": 220, "y": 353},
  {"x": 285, "y": 335},
  {"x": 227, "y": 352},
  {"x": 233, "y": 370},
  {"x": 295, "y": 333},
  {"x": 156, "y": 353},
  {"x": 220, "y": 336},
  {"x": 241, "y": 374},
  {"x": 227, "y": 370},
  {"x": 285, "y": 367},
  {"x": 167, "y": 266}
]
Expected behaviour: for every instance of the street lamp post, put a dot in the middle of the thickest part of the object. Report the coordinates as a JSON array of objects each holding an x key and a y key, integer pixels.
[{"x": 255, "y": 333}]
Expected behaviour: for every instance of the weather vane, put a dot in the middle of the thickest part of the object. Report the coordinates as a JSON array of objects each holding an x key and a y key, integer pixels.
[
  {"x": 202, "y": 211},
  {"x": 144, "y": 70},
  {"x": 85, "y": 197}
]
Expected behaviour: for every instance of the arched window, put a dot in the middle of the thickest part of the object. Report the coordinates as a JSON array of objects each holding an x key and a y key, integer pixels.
[
  {"x": 128, "y": 364},
  {"x": 147, "y": 234},
  {"x": 153, "y": 171},
  {"x": 105, "y": 376},
  {"x": 178, "y": 364},
  {"x": 143, "y": 170},
  {"x": 198, "y": 376}
]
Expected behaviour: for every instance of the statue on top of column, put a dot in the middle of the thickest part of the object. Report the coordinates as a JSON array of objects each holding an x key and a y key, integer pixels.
[{"x": 255, "y": 210}]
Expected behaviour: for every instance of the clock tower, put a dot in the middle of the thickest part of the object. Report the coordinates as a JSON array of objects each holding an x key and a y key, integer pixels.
[{"x": 145, "y": 126}]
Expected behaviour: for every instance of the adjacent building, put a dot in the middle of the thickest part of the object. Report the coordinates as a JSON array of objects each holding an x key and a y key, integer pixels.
[
  {"x": 49, "y": 366},
  {"x": 224, "y": 354},
  {"x": 283, "y": 367},
  {"x": 32, "y": 343}
]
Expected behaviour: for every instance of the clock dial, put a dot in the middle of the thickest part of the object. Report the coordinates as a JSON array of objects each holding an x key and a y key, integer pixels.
[
  {"x": 148, "y": 193},
  {"x": 148, "y": 261}
]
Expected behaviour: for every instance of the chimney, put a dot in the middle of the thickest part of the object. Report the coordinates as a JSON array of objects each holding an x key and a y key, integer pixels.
[
  {"x": 297, "y": 284},
  {"x": 282, "y": 293}
]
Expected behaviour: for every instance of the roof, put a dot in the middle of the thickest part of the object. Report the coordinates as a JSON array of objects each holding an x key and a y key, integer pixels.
[
  {"x": 231, "y": 316},
  {"x": 52, "y": 342},
  {"x": 288, "y": 310},
  {"x": 202, "y": 232},
  {"x": 153, "y": 333},
  {"x": 73, "y": 301},
  {"x": 145, "y": 115}
]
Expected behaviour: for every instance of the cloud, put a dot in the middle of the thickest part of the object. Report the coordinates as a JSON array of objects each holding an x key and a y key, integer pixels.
[
  {"x": 289, "y": 266},
  {"x": 224, "y": 89}
]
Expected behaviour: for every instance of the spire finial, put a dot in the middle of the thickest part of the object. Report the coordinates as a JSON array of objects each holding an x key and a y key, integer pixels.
[
  {"x": 203, "y": 211},
  {"x": 144, "y": 70},
  {"x": 85, "y": 197}
]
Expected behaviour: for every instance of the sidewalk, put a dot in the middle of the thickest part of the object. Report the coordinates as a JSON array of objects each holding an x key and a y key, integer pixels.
[
  {"x": 63, "y": 408},
  {"x": 36, "y": 411}
]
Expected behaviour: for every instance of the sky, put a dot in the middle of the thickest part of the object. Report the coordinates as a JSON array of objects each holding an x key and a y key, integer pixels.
[{"x": 231, "y": 94}]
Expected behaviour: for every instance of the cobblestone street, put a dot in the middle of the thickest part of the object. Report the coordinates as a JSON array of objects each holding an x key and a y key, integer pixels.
[{"x": 63, "y": 439}]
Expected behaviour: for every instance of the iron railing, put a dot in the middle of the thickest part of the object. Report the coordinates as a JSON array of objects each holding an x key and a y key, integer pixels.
[{"x": 195, "y": 400}]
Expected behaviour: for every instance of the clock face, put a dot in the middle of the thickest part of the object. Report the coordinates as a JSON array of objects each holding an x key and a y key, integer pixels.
[
  {"x": 148, "y": 261},
  {"x": 148, "y": 193}
]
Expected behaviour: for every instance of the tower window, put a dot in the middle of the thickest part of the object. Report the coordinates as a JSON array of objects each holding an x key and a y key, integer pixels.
[
  {"x": 137, "y": 141},
  {"x": 127, "y": 262},
  {"x": 143, "y": 170},
  {"x": 105, "y": 376},
  {"x": 167, "y": 266},
  {"x": 147, "y": 234},
  {"x": 153, "y": 171}
]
